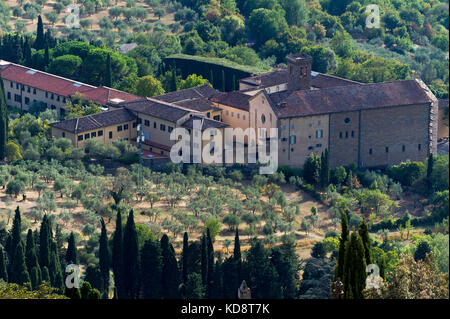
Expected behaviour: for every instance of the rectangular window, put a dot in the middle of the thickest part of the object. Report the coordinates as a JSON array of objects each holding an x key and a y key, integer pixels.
[
  {"x": 94, "y": 134},
  {"x": 353, "y": 133},
  {"x": 370, "y": 151},
  {"x": 119, "y": 128},
  {"x": 311, "y": 148},
  {"x": 283, "y": 139},
  {"x": 319, "y": 134},
  {"x": 243, "y": 117},
  {"x": 293, "y": 139},
  {"x": 57, "y": 98},
  {"x": 319, "y": 122},
  {"x": 226, "y": 112},
  {"x": 63, "y": 134},
  {"x": 52, "y": 96},
  {"x": 162, "y": 127},
  {"x": 80, "y": 137},
  {"x": 27, "y": 100},
  {"x": 125, "y": 127},
  {"x": 387, "y": 149},
  {"x": 64, "y": 100},
  {"x": 17, "y": 98},
  {"x": 340, "y": 134},
  {"x": 419, "y": 147},
  {"x": 28, "y": 89},
  {"x": 11, "y": 84},
  {"x": 110, "y": 135},
  {"x": 100, "y": 133},
  {"x": 403, "y": 148},
  {"x": 34, "y": 92},
  {"x": 86, "y": 136},
  {"x": 46, "y": 95},
  {"x": 134, "y": 124},
  {"x": 169, "y": 129},
  {"x": 238, "y": 115},
  {"x": 292, "y": 150},
  {"x": 346, "y": 134},
  {"x": 9, "y": 95},
  {"x": 17, "y": 86},
  {"x": 154, "y": 124},
  {"x": 208, "y": 114},
  {"x": 147, "y": 123},
  {"x": 232, "y": 114}
]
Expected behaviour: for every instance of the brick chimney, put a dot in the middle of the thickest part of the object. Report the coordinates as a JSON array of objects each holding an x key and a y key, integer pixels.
[{"x": 299, "y": 72}]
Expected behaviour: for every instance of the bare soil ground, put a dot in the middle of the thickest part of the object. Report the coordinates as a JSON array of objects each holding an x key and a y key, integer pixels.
[
  {"x": 304, "y": 241},
  {"x": 168, "y": 19}
]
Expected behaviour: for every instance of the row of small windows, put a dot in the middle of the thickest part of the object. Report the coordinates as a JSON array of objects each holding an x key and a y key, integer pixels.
[
  {"x": 238, "y": 115},
  {"x": 352, "y": 133},
  {"x": 22, "y": 88},
  {"x": 310, "y": 148},
  {"x": 293, "y": 138},
  {"x": 90, "y": 135},
  {"x": 162, "y": 127},
  {"x": 319, "y": 122},
  {"x": 386, "y": 149}
]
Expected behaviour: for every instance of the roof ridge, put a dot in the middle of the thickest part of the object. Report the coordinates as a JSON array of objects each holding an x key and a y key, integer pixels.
[
  {"x": 76, "y": 124},
  {"x": 50, "y": 74},
  {"x": 172, "y": 105}
]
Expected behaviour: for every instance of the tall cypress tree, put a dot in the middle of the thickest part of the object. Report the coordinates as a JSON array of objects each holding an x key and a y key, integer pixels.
[
  {"x": 204, "y": 261},
  {"x": 104, "y": 258},
  {"x": 210, "y": 256},
  {"x": 27, "y": 53},
  {"x": 71, "y": 254},
  {"x": 237, "y": 256},
  {"x": 131, "y": 259},
  {"x": 354, "y": 273},
  {"x": 3, "y": 121},
  {"x": 54, "y": 268},
  {"x": 35, "y": 277},
  {"x": 30, "y": 253},
  {"x": 151, "y": 266},
  {"x": 16, "y": 231},
  {"x": 185, "y": 257},
  {"x": 117, "y": 258},
  {"x": 325, "y": 169},
  {"x": 108, "y": 73},
  {"x": 342, "y": 244},
  {"x": 46, "y": 56},
  {"x": 364, "y": 234},
  {"x": 44, "y": 243},
  {"x": 39, "y": 43},
  {"x": 3, "y": 271},
  {"x": 170, "y": 275},
  {"x": 19, "y": 273}
]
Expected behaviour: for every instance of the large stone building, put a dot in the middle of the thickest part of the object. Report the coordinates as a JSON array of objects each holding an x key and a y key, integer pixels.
[{"x": 369, "y": 125}]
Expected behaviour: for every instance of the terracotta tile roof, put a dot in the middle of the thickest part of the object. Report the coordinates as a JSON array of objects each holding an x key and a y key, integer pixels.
[
  {"x": 205, "y": 91},
  {"x": 158, "y": 109},
  {"x": 207, "y": 123},
  {"x": 157, "y": 145},
  {"x": 95, "y": 121},
  {"x": 201, "y": 105},
  {"x": 107, "y": 96},
  {"x": 318, "y": 80},
  {"x": 235, "y": 99},
  {"x": 353, "y": 98},
  {"x": 42, "y": 80}
]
